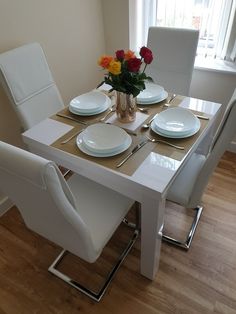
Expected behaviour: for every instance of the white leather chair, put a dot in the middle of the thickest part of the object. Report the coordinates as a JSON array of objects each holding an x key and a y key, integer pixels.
[
  {"x": 174, "y": 51},
  {"x": 188, "y": 187},
  {"x": 29, "y": 85},
  {"x": 78, "y": 215},
  {"x": 28, "y": 82}
]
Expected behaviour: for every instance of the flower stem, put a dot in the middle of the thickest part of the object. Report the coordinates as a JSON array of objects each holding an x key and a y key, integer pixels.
[{"x": 144, "y": 67}]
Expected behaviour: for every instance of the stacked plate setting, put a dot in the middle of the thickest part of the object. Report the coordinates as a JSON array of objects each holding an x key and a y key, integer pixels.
[
  {"x": 89, "y": 104},
  {"x": 103, "y": 140},
  {"x": 152, "y": 94},
  {"x": 176, "y": 123}
]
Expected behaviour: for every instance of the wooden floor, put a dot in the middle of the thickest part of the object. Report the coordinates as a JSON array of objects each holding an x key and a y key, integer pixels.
[{"x": 202, "y": 280}]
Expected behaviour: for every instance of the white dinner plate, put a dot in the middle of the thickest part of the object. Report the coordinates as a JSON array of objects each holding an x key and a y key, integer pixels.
[
  {"x": 194, "y": 131},
  {"x": 151, "y": 93},
  {"x": 91, "y": 113},
  {"x": 176, "y": 121},
  {"x": 80, "y": 145},
  {"x": 89, "y": 103},
  {"x": 104, "y": 138},
  {"x": 163, "y": 96}
]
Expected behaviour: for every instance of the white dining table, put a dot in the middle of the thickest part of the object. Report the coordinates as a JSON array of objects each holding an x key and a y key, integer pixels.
[{"x": 148, "y": 184}]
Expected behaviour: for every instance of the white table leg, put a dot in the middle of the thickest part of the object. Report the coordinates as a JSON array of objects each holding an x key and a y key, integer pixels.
[{"x": 152, "y": 219}]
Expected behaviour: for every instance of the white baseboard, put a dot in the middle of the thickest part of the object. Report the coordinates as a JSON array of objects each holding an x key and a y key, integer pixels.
[
  {"x": 232, "y": 147},
  {"x": 5, "y": 204}
]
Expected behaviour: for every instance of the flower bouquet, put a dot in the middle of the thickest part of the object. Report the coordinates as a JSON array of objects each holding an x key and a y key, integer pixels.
[{"x": 126, "y": 75}]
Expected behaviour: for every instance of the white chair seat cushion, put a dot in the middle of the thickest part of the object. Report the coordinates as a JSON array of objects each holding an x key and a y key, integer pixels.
[
  {"x": 181, "y": 189},
  {"x": 96, "y": 202}
]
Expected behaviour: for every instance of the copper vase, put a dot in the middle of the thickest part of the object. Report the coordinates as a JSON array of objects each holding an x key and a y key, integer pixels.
[{"x": 125, "y": 107}]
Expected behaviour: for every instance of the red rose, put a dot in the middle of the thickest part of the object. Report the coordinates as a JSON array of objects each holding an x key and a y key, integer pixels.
[
  {"x": 120, "y": 55},
  {"x": 148, "y": 57},
  {"x": 133, "y": 65},
  {"x": 143, "y": 51}
]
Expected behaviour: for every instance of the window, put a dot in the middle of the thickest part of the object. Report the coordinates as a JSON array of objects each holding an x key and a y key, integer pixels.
[
  {"x": 210, "y": 17},
  {"x": 215, "y": 20}
]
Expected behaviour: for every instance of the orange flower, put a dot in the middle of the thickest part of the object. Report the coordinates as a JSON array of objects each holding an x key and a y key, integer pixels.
[
  {"x": 129, "y": 54},
  {"x": 104, "y": 61},
  {"x": 115, "y": 67}
]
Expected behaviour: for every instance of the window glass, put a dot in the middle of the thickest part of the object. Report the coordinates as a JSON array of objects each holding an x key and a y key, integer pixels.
[{"x": 210, "y": 17}]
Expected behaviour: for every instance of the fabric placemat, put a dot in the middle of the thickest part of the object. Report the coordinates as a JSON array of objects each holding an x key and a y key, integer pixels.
[{"x": 134, "y": 162}]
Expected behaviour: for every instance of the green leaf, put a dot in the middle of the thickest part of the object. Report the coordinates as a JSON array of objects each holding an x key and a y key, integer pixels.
[{"x": 149, "y": 78}]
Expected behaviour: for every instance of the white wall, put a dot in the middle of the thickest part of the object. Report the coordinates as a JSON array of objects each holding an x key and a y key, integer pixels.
[
  {"x": 214, "y": 86},
  {"x": 116, "y": 24},
  {"x": 71, "y": 33}
]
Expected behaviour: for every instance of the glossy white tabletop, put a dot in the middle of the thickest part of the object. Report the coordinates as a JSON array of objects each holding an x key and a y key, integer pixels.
[{"x": 155, "y": 172}]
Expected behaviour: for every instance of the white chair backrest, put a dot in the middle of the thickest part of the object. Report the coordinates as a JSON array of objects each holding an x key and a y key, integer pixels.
[
  {"x": 224, "y": 135},
  {"x": 28, "y": 82},
  {"x": 174, "y": 51},
  {"x": 37, "y": 188}
]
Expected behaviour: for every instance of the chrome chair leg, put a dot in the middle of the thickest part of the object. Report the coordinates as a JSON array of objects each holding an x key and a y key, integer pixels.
[
  {"x": 186, "y": 245},
  {"x": 137, "y": 224},
  {"x": 94, "y": 295}
]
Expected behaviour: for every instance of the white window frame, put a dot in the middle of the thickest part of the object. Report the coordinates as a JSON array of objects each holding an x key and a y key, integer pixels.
[{"x": 143, "y": 15}]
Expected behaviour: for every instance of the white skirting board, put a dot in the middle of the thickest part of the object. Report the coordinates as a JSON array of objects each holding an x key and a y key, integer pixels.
[
  {"x": 232, "y": 146},
  {"x": 5, "y": 204}
]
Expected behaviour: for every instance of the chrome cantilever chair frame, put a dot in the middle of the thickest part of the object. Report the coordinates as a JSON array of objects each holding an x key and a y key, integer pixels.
[
  {"x": 188, "y": 187},
  {"x": 96, "y": 296},
  {"x": 187, "y": 243}
]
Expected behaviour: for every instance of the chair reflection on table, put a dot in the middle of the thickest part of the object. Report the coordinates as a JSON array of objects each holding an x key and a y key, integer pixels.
[
  {"x": 79, "y": 215},
  {"x": 188, "y": 187}
]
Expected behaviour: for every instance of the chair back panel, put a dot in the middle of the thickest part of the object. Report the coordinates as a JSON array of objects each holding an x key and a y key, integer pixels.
[
  {"x": 224, "y": 135},
  {"x": 43, "y": 105},
  {"x": 26, "y": 76},
  {"x": 174, "y": 51},
  {"x": 37, "y": 188}
]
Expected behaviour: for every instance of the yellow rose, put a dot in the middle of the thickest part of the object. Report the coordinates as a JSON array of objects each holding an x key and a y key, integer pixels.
[{"x": 115, "y": 67}]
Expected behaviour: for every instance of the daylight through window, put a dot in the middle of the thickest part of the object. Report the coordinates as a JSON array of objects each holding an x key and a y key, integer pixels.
[{"x": 213, "y": 18}]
